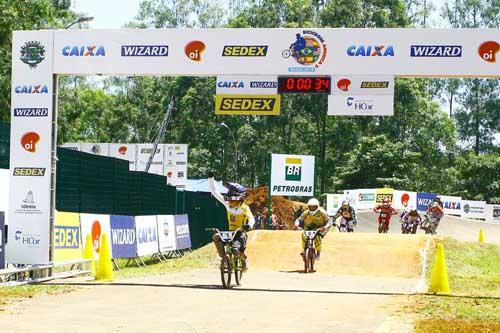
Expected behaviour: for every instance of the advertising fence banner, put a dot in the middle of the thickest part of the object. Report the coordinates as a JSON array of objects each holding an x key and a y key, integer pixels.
[
  {"x": 126, "y": 152},
  {"x": 403, "y": 199},
  {"x": 382, "y": 193},
  {"x": 492, "y": 213},
  {"x": 365, "y": 199},
  {"x": 351, "y": 196},
  {"x": 452, "y": 205},
  {"x": 67, "y": 237},
  {"x": 147, "y": 235},
  {"x": 424, "y": 199},
  {"x": 95, "y": 225},
  {"x": 183, "y": 237},
  {"x": 123, "y": 236},
  {"x": 333, "y": 202},
  {"x": 473, "y": 209},
  {"x": 176, "y": 164},
  {"x": 166, "y": 233},
  {"x": 144, "y": 152},
  {"x": 2, "y": 240},
  {"x": 101, "y": 149},
  {"x": 292, "y": 175}
]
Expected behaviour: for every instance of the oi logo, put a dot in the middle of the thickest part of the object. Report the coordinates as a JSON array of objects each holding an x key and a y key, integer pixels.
[{"x": 293, "y": 169}]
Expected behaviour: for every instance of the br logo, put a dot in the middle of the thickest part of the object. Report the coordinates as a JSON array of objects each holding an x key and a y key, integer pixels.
[{"x": 293, "y": 169}]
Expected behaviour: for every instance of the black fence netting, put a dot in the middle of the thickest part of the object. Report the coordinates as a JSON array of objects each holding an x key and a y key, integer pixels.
[
  {"x": 4, "y": 145},
  {"x": 87, "y": 183}
]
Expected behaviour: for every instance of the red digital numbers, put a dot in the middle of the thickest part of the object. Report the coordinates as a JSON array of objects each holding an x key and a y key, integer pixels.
[{"x": 304, "y": 84}]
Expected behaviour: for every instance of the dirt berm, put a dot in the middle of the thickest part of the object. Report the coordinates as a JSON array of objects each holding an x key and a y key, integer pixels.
[{"x": 390, "y": 255}]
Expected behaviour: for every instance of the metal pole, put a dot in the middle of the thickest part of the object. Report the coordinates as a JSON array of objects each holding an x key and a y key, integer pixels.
[
  {"x": 269, "y": 192},
  {"x": 53, "y": 164}
]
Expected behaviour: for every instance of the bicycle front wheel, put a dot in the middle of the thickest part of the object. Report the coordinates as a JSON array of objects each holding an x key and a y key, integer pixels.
[
  {"x": 238, "y": 270},
  {"x": 226, "y": 272}
]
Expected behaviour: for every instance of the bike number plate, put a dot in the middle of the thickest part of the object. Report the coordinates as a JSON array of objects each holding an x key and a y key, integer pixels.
[
  {"x": 226, "y": 235},
  {"x": 309, "y": 233}
]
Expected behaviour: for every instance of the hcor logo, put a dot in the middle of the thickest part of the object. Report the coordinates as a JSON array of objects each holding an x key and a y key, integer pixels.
[
  {"x": 96, "y": 235},
  {"x": 488, "y": 50},
  {"x": 194, "y": 49},
  {"x": 344, "y": 84},
  {"x": 83, "y": 51},
  {"x": 29, "y": 141}
]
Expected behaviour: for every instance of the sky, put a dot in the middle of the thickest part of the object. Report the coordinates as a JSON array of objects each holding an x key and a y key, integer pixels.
[{"x": 108, "y": 14}]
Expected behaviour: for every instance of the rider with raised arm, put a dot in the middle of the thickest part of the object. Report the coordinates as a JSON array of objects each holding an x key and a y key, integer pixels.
[
  {"x": 239, "y": 215},
  {"x": 348, "y": 214},
  {"x": 385, "y": 210},
  {"x": 312, "y": 218}
]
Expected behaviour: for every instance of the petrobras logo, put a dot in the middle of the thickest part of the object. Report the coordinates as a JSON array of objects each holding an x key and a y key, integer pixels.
[
  {"x": 84, "y": 51},
  {"x": 34, "y": 172},
  {"x": 31, "y": 112},
  {"x": 144, "y": 51},
  {"x": 263, "y": 84},
  {"x": 27, "y": 240},
  {"x": 360, "y": 105},
  {"x": 123, "y": 236},
  {"x": 436, "y": 51},
  {"x": 231, "y": 84},
  {"x": 293, "y": 169},
  {"x": 147, "y": 235},
  {"x": 488, "y": 50},
  {"x": 31, "y": 89},
  {"x": 66, "y": 237},
  {"x": 370, "y": 51},
  {"x": 244, "y": 51},
  {"x": 29, "y": 141},
  {"x": 366, "y": 197}
]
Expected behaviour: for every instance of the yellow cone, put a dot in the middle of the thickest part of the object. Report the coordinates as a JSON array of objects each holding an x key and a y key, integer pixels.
[
  {"x": 439, "y": 278},
  {"x": 88, "y": 253},
  {"x": 481, "y": 236},
  {"x": 104, "y": 265}
]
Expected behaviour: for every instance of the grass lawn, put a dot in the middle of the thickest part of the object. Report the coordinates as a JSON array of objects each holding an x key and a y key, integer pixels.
[
  {"x": 474, "y": 303},
  {"x": 27, "y": 291}
]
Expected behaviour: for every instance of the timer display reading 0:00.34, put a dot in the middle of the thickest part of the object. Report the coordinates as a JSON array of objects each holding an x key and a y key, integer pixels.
[{"x": 304, "y": 84}]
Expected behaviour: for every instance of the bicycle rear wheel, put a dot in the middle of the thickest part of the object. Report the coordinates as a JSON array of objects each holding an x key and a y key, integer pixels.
[{"x": 226, "y": 272}]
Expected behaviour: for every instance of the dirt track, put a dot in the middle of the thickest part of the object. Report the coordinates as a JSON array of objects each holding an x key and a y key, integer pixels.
[{"x": 359, "y": 283}]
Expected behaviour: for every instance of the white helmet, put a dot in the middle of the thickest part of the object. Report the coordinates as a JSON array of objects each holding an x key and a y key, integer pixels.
[{"x": 313, "y": 202}]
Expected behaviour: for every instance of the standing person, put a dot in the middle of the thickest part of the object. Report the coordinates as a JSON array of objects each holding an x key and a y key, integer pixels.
[
  {"x": 313, "y": 218},
  {"x": 239, "y": 215},
  {"x": 384, "y": 218}
]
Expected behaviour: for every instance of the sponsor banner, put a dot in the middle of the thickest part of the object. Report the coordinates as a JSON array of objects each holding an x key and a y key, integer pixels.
[
  {"x": 473, "y": 209},
  {"x": 424, "y": 199},
  {"x": 183, "y": 237},
  {"x": 365, "y": 198},
  {"x": 435, "y": 51},
  {"x": 4, "y": 190},
  {"x": 71, "y": 146},
  {"x": 144, "y": 152},
  {"x": 166, "y": 233},
  {"x": 124, "y": 151},
  {"x": 381, "y": 193},
  {"x": 363, "y": 85},
  {"x": 123, "y": 236},
  {"x": 147, "y": 235},
  {"x": 360, "y": 105},
  {"x": 241, "y": 85},
  {"x": 492, "y": 213},
  {"x": 95, "y": 148},
  {"x": 404, "y": 199},
  {"x": 351, "y": 197},
  {"x": 292, "y": 175},
  {"x": 176, "y": 164},
  {"x": 2, "y": 240},
  {"x": 258, "y": 105},
  {"x": 452, "y": 205},
  {"x": 333, "y": 203},
  {"x": 96, "y": 225},
  {"x": 67, "y": 237}
]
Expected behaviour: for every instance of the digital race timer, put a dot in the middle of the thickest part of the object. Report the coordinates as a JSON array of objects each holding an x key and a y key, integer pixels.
[{"x": 304, "y": 84}]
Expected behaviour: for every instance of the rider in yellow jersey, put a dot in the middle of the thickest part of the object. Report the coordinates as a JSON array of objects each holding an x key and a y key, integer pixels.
[
  {"x": 313, "y": 218},
  {"x": 239, "y": 216}
]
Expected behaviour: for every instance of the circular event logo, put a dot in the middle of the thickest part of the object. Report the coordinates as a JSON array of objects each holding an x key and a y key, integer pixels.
[
  {"x": 96, "y": 235},
  {"x": 308, "y": 49}
]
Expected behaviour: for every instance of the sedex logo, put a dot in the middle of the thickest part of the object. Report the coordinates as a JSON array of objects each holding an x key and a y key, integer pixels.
[
  {"x": 66, "y": 237},
  {"x": 194, "y": 49},
  {"x": 83, "y": 51},
  {"x": 244, "y": 51},
  {"x": 29, "y": 141},
  {"x": 488, "y": 50},
  {"x": 293, "y": 169}
]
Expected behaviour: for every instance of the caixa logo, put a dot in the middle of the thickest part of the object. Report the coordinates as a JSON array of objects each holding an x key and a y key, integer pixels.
[
  {"x": 83, "y": 51},
  {"x": 31, "y": 89},
  {"x": 370, "y": 51}
]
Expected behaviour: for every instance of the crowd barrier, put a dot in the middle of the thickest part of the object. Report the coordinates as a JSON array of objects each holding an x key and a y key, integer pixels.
[{"x": 366, "y": 199}]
